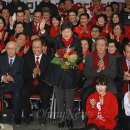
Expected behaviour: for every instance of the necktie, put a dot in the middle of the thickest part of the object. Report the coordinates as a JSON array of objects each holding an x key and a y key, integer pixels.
[
  {"x": 37, "y": 27},
  {"x": 11, "y": 63},
  {"x": 37, "y": 61},
  {"x": 35, "y": 81}
]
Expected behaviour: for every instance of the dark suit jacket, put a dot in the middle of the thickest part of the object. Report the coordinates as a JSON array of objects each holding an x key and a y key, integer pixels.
[
  {"x": 16, "y": 71},
  {"x": 58, "y": 77},
  {"x": 110, "y": 72},
  {"x": 29, "y": 65}
]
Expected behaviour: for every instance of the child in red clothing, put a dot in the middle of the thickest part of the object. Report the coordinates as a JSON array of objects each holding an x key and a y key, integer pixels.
[{"x": 102, "y": 106}]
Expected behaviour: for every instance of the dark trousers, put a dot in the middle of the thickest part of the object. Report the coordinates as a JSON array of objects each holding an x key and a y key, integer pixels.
[
  {"x": 16, "y": 99},
  {"x": 45, "y": 92},
  {"x": 85, "y": 94},
  {"x": 64, "y": 111}
]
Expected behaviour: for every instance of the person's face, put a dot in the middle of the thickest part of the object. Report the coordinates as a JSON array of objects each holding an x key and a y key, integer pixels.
[
  {"x": 68, "y": 4},
  {"x": 1, "y": 24},
  {"x": 84, "y": 45},
  {"x": 115, "y": 7},
  {"x": 127, "y": 2},
  {"x": 83, "y": 20},
  {"x": 115, "y": 18},
  {"x": 19, "y": 28},
  {"x": 95, "y": 33},
  {"x": 108, "y": 11},
  {"x": 101, "y": 46},
  {"x": 21, "y": 40},
  {"x": 27, "y": 15},
  {"x": 101, "y": 21},
  {"x": 55, "y": 22},
  {"x": 72, "y": 17},
  {"x": 46, "y": 16},
  {"x": 5, "y": 14},
  {"x": 67, "y": 33},
  {"x": 117, "y": 30},
  {"x": 80, "y": 11},
  {"x": 11, "y": 50},
  {"x": 20, "y": 17},
  {"x": 111, "y": 48},
  {"x": 37, "y": 48},
  {"x": 127, "y": 53},
  {"x": 96, "y": 3},
  {"x": 37, "y": 17},
  {"x": 101, "y": 89}
]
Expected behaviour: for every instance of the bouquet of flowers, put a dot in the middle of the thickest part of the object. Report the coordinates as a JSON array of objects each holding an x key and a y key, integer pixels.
[{"x": 66, "y": 57}]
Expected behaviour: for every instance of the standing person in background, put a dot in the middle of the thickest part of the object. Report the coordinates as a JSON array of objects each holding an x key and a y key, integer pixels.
[{"x": 48, "y": 4}]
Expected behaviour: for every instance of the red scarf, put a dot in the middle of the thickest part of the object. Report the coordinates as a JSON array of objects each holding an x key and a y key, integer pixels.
[
  {"x": 122, "y": 36},
  {"x": 2, "y": 45},
  {"x": 125, "y": 69},
  {"x": 54, "y": 31},
  {"x": 67, "y": 43},
  {"x": 116, "y": 53},
  {"x": 96, "y": 58}
]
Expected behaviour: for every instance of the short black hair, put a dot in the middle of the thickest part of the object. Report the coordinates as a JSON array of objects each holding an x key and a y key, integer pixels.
[
  {"x": 102, "y": 15},
  {"x": 96, "y": 26},
  {"x": 20, "y": 11},
  {"x": 85, "y": 10},
  {"x": 113, "y": 3},
  {"x": 43, "y": 43},
  {"x": 110, "y": 7},
  {"x": 57, "y": 16},
  {"x": 71, "y": 10},
  {"x": 17, "y": 24},
  {"x": 101, "y": 80},
  {"x": 115, "y": 43},
  {"x": 18, "y": 34},
  {"x": 84, "y": 14},
  {"x": 66, "y": 25}
]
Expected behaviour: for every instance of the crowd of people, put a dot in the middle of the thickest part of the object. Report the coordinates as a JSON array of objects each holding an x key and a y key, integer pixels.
[{"x": 99, "y": 36}]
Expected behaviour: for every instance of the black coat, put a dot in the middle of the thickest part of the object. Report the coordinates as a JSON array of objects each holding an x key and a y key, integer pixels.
[
  {"x": 66, "y": 79},
  {"x": 16, "y": 71},
  {"x": 29, "y": 65}
]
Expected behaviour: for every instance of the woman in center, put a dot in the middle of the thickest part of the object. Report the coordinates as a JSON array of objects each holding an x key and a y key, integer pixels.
[{"x": 64, "y": 80}]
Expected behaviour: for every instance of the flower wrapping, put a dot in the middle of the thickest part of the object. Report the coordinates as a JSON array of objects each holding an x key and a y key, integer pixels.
[{"x": 66, "y": 58}]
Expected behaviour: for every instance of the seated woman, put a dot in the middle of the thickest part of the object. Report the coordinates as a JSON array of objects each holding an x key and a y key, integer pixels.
[
  {"x": 102, "y": 106},
  {"x": 126, "y": 121}
]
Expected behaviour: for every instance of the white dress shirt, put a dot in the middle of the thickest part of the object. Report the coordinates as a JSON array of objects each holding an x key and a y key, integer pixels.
[{"x": 127, "y": 104}]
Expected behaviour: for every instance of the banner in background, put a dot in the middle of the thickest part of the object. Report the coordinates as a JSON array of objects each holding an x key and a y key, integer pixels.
[{"x": 33, "y": 3}]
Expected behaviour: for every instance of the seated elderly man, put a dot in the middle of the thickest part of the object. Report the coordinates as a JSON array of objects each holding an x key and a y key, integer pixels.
[{"x": 11, "y": 75}]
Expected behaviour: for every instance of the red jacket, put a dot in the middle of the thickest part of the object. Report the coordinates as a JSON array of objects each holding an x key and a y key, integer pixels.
[
  {"x": 81, "y": 34},
  {"x": 103, "y": 115}
]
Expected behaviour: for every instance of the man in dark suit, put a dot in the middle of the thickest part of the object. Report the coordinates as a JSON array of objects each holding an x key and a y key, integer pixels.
[
  {"x": 99, "y": 62},
  {"x": 11, "y": 67},
  {"x": 35, "y": 67}
]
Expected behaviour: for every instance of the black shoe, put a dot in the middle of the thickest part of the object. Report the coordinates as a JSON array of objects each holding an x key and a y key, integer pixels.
[
  {"x": 42, "y": 121},
  {"x": 69, "y": 124},
  {"x": 61, "y": 124},
  {"x": 17, "y": 122},
  {"x": 27, "y": 120}
]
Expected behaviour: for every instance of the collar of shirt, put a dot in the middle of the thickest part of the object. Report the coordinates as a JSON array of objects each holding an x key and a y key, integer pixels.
[
  {"x": 128, "y": 63},
  {"x": 13, "y": 58},
  {"x": 93, "y": 40},
  {"x": 40, "y": 56}
]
